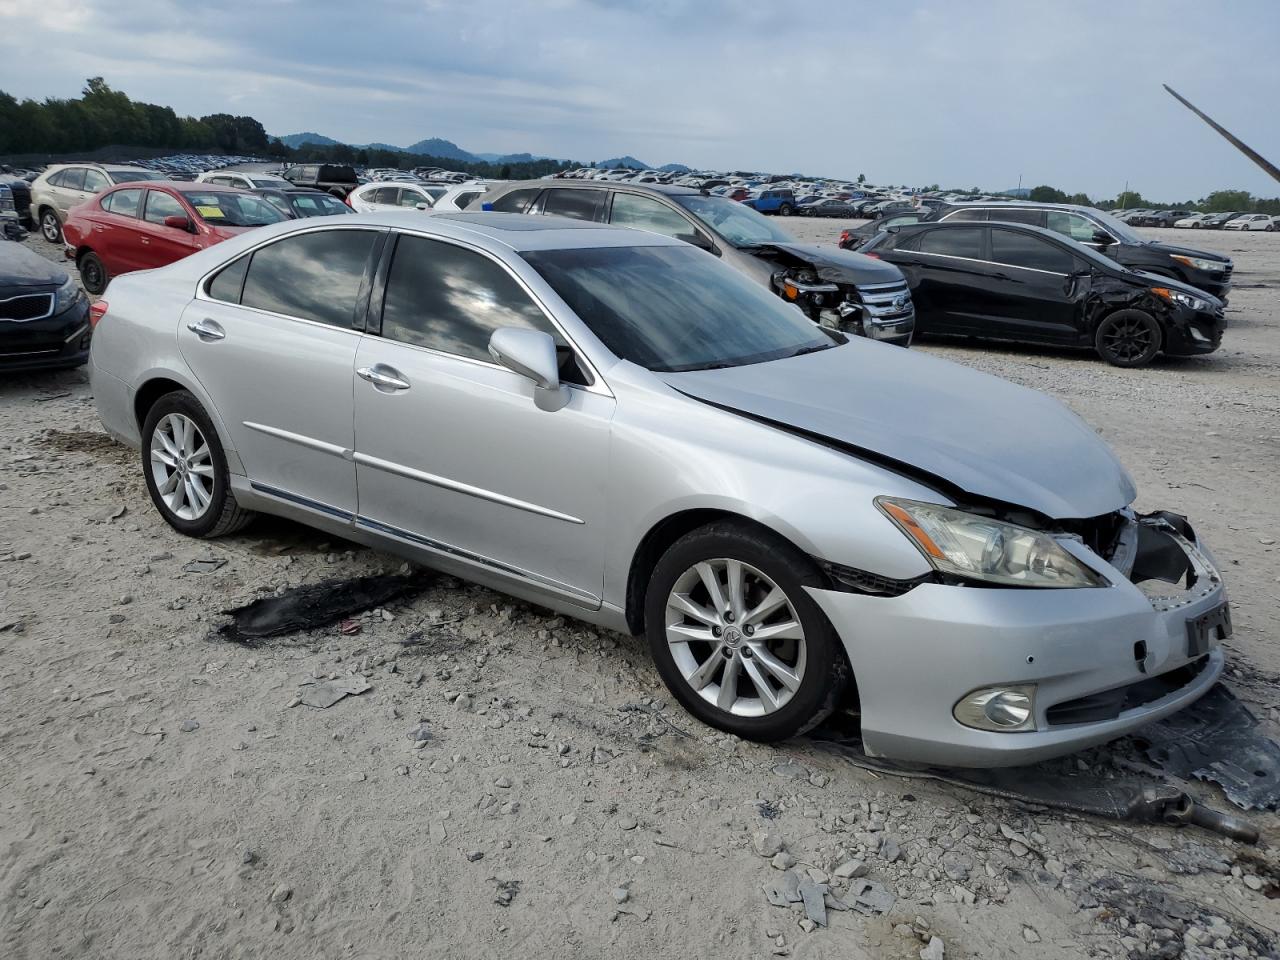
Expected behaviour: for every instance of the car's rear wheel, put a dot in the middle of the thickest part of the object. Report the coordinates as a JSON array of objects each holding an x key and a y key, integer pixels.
[
  {"x": 736, "y": 636},
  {"x": 785, "y": 210},
  {"x": 50, "y": 226},
  {"x": 1128, "y": 338},
  {"x": 186, "y": 470},
  {"x": 92, "y": 273}
]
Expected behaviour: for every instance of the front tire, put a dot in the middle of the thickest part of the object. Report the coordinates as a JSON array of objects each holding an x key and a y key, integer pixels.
[
  {"x": 50, "y": 226},
  {"x": 785, "y": 210},
  {"x": 186, "y": 470},
  {"x": 737, "y": 638},
  {"x": 1128, "y": 338},
  {"x": 92, "y": 273}
]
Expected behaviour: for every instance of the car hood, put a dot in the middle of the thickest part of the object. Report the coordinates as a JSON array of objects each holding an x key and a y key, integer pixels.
[
  {"x": 831, "y": 263},
  {"x": 20, "y": 267},
  {"x": 952, "y": 427},
  {"x": 1185, "y": 251}
]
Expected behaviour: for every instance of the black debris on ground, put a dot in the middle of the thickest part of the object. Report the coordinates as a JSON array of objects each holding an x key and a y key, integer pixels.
[{"x": 314, "y": 606}]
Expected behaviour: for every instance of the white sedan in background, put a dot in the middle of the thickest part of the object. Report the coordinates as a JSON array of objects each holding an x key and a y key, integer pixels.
[
  {"x": 382, "y": 196},
  {"x": 1194, "y": 222},
  {"x": 1252, "y": 221}
]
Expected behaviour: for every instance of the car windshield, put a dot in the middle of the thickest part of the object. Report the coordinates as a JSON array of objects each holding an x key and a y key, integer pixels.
[
  {"x": 740, "y": 226},
  {"x": 133, "y": 176},
  {"x": 1115, "y": 227},
  {"x": 674, "y": 308},
  {"x": 233, "y": 209}
]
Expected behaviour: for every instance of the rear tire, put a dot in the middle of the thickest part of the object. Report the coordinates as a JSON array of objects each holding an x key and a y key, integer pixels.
[
  {"x": 1128, "y": 338},
  {"x": 781, "y": 685},
  {"x": 186, "y": 470},
  {"x": 50, "y": 226},
  {"x": 785, "y": 210},
  {"x": 92, "y": 273}
]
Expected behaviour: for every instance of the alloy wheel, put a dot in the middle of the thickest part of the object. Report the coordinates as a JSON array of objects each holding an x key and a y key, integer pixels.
[
  {"x": 91, "y": 274},
  {"x": 735, "y": 637},
  {"x": 49, "y": 227},
  {"x": 182, "y": 466},
  {"x": 1127, "y": 339}
]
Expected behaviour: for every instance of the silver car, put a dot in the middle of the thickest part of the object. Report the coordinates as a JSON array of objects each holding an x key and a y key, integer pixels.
[{"x": 615, "y": 425}]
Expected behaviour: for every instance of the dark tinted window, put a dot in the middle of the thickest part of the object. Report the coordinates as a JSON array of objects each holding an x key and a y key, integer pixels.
[
  {"x": 450, "y": 299},
  {"x": 578, "y": 204},
  {"x": 517, "y": 201},
  {"x": 1025, "y": 250},
  {"x": 314, "y": 276},
  {"x": 227, "y": 282},
  {"x": 953, "y": 242},
  {"x": 966, "y": 216},
  {"x": 387, "y": 195},
  {"x": 463, "y": 200},
  {"x": 58, "y": 179},
  {"x": 133, "y": 176},
  {"x": 161, "y": 205},
  {"x": 124, "y": 202},
  {"x": 1017, "y": 215}
]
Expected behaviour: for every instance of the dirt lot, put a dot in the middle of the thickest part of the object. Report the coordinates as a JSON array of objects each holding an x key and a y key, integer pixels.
[{"x": 162, "y": 799}]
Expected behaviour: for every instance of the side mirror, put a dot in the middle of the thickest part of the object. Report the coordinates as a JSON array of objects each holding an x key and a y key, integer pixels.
[
  {"x": 697, "y": 239},
  {"x": 423, "y": 206},
  {"x": 531, "y": 354},
  {"x": 178, "y": 223},
  {"x": 1102, "y": 238}
]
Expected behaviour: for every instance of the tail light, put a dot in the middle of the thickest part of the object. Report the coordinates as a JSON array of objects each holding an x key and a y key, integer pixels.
[
  {"x": 844, "y": 237},
  {"x": 347, "y": 199},
  {"x": 96, "y": 312}
]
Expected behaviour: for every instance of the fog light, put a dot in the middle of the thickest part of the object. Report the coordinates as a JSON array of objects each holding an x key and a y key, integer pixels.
[{"x": 1005, "y": 709}]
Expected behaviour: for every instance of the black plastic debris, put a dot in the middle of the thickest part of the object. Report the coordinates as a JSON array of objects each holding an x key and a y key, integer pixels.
[
  {"x": 204, "y": 565},
  {"x": 315, "y": 605},
  {"x": 1217, "y": 739}
]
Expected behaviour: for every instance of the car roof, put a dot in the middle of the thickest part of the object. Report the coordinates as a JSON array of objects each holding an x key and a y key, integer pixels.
[
  {"x": 924, "y": 225},
  {"x": 522, "y": 232},
  {"x": 662, "y": 189}
]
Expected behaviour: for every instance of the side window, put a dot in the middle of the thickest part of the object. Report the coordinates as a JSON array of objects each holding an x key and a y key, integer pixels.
[
  {"x": 312, "y": 276},
  {"x": 228, "y": 282},
  {"x": 1024, "y": 250},
  {"x": 161, "y": 205},
  {"x": 517, "y": 201},
  {"x": 1071, "y": 225},
  {"x": 452, "y": 299},
  {"x": 578, "y": 204},
  {"x": 411, "y": 198},
  {"x": 463, "y": 200},
  {"x": 953, "y": 242},
  {"x": 123, "y": 202},
  {"x": 1034, "y": 218},
  {"x": 58, "y": 179},
  {"x": 966, "y": 216},
  {"x": 311, "y": 173},
  {"x": 644, "y": 213},
  {"x": 95, "y": 181},
  {"x": 385, "y": 195},
  {"x": 73, "y": 179}
]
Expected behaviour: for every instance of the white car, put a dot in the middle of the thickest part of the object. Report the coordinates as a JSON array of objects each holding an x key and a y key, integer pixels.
[
  {"x": 245, "y": 180},
  {"x": 464, "y": 195},
  {"x": 1252, "y": 221},
  {"x": 1193, "y": 222},
  {"x": 381, "y": 196}
]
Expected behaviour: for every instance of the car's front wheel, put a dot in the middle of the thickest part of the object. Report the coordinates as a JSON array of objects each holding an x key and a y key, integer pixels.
[
  {"x": 92, "y": 273},
  {"x": 186, "y": 470},
  {"x": 1128, "y": 338},
  {"x": 785, "y": 210},
  {"x": 50, "y": 226},
  {"x": 736, "y": 636}
]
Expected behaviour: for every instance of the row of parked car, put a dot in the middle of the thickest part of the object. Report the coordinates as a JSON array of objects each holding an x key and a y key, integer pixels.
[{"x": 1186, "y": 220}]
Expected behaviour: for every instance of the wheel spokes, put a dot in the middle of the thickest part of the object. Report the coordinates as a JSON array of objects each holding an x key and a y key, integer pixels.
[
  {"x": 763, "y": 688},
  {"x": 711, "y": 580},
  {"x": 777, "y": 669}
]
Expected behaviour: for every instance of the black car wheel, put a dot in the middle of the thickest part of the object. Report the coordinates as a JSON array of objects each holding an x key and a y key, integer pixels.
[
  {"x": 186, "y": 470},
  {"x": 785, "y": 210},
  {"x": 50, "y": 226},
  {"x": 92, "y": 273},
  {"x": 736, "y": 636},
  {"x": 1128, "y": 338}
]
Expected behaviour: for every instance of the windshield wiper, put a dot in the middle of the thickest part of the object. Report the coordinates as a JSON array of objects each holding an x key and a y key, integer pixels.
[{"x": 812, "y": 348}]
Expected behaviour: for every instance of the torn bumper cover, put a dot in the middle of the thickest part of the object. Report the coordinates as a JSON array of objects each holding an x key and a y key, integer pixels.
[{"x": 1089, "y": 664}]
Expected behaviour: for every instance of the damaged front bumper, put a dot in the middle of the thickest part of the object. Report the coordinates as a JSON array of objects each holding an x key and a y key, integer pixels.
[
  {"x": 1100, "y": 662},
  {"x": 877, "y": 311}
]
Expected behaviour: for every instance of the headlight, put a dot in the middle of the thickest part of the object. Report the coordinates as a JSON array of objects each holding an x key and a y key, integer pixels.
[
  {"x": 974, "y": 547},
  {"x": 67, "y": 295},
  {"x": 1200, "y": 263},
  {"x": 1177, "y": 296}
]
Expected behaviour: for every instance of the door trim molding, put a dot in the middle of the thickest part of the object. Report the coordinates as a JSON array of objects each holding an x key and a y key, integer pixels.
[{"x": 303, "y": 441}]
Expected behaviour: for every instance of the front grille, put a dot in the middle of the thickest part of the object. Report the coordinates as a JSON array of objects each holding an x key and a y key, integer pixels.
[
  {"x": 1109, "y": 704},
  {"x": 21, "y": 197},
  {"x": 886, "y": 300},
  {"x": 27, "y": 306}
]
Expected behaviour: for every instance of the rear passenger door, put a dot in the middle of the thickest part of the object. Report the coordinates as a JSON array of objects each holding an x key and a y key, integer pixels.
[
  {"x": 952, "y": 293},
  {"x": 272, "y": 338},
  {"x": 116, "y": 231}
]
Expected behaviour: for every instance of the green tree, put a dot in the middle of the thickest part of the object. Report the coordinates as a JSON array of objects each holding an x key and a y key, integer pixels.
[
  {"x": 1047, "y": 194},
  {"x": 1221, "y": 201}
]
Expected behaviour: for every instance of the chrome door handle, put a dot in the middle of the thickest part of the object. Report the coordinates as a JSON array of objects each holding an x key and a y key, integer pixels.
[
  {"x": 207, "y": 330},
  {"x": 144, "y": 240},
  {"x": 385, "y": 378}
]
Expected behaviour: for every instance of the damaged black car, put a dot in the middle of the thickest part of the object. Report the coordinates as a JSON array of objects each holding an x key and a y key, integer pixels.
[{"x": 835, "y": 288}]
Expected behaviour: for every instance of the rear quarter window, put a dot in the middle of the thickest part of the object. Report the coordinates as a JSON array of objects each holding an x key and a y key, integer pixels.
[{"x": 517, "y": 201}]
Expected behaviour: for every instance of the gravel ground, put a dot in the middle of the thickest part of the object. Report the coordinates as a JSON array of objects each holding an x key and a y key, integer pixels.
[{"x": 515, "y": 783}]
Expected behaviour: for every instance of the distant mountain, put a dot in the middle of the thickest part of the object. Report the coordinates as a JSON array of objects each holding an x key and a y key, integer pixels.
[
  {"x": 512, "y": 157},
  {"x": 445, "y": 149},
  {"x": 674, "y": 168},
  {"x": 295, "y": 140},
  {"x": 627, "y": 161}
]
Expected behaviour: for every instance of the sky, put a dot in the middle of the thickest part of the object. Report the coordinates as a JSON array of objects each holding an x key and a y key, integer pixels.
[{"x": 981, "y": 93}]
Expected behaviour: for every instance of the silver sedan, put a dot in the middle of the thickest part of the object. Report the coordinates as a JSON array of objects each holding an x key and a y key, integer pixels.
[{"x": 615, "y": 425}]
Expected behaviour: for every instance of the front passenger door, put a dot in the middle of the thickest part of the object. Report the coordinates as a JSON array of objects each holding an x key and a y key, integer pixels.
[
  {"x": 1037, "y": 294},
  {"x": 452, "y": 453}
]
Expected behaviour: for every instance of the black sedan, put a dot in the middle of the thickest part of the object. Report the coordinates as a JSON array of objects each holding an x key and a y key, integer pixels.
[
  {"x": 1006, "y": 281},
  {"x": 44, "y": 315},
  {"x": 855, "y": 237},
  {"x": 298, "y": 203},
  {"x": 828, "y": 208}
]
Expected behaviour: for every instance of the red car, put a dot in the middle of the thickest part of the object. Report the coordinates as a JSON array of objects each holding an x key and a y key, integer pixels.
[{"x": 137, "y": 226}]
